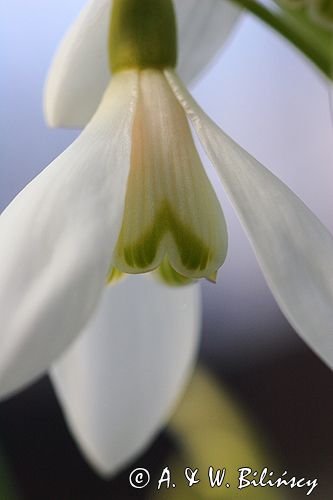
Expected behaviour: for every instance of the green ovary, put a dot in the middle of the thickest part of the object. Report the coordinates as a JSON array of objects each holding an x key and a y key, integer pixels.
[{"x": 142, "y": 35}]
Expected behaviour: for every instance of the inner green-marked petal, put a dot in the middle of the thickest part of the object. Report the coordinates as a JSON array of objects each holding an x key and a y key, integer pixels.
[
  {"x": 169, "y": 276},
  {"x": 171, "y": 211},
  {"x": 114, "y": 276},
  {"x": 194, "y": 253}
]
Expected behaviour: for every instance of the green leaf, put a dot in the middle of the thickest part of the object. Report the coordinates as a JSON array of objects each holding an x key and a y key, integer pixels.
[{"x": 308, "y": 28}]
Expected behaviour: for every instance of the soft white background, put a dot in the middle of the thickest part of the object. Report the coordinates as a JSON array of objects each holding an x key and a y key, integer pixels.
[{"x": 259, "y": 89}]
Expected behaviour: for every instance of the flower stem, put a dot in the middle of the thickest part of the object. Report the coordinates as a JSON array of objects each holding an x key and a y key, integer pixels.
[{"x": 310, "y": 38}]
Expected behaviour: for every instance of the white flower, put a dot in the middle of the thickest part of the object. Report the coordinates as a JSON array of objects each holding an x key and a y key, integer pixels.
[
  {"x": 96, "y": 207},
  {"x": 80, "y": 71}
]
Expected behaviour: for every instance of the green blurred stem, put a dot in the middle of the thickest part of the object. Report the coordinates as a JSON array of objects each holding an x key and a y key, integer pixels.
[
  {"x": 8, "y": 490},
  {"x": 310, "y": 38}
]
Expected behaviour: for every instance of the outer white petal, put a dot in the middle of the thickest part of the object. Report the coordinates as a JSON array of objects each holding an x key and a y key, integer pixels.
[
  {"x": 203, "y": 28},
  {"x": 120, "y": 380},
  {"x": 80, "y": 72},
  {"x": 293, "y": 248},
  {"x": 57, "y": 238}
]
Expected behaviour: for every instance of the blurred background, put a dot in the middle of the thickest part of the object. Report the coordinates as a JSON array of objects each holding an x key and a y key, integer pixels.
[{"x": 270, "y": 99}]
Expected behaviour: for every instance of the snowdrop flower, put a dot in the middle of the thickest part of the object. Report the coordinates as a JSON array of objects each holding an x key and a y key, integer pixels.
[
  {"x": 119, "y": 381},
  {"x": 130, "y": 195}
]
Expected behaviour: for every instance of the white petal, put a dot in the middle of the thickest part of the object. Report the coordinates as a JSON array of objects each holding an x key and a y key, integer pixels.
[
  {"x": 203, "y": 28},
  {"x": 293, "y": 248},
  {"x": 57, "y": 239},
  {"x": 80, "y": 72},
  {"x": 121, "y": 379}
]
